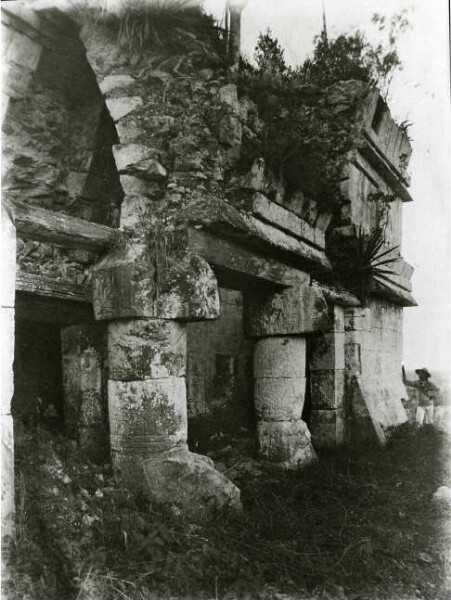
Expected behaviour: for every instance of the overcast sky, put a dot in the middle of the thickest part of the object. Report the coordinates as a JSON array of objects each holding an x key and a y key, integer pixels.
[{"x": 419, "y": 93}]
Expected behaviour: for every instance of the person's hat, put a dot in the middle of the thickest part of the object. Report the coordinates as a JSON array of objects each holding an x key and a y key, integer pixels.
[{"x": 424, "y": 371}]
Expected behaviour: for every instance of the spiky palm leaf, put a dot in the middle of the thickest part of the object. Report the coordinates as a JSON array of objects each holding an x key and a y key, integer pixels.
[{"x": 361, "y": 258}]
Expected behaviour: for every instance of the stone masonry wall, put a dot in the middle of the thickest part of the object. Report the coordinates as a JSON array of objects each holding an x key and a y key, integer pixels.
[
  {"x": 218, "y": 355},
  {"x": 373, "y": 352}
]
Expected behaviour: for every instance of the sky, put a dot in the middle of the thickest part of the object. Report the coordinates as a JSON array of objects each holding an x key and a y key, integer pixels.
[{"x": 420, "y": 93}]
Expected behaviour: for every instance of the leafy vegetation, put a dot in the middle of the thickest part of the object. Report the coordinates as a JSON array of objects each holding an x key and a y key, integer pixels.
[
  {"x": 358, "y": 523},
  {"x": 309, "y": 112}
]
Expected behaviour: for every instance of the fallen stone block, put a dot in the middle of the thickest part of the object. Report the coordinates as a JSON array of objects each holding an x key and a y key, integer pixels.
[{"x": 190, "y": 484}]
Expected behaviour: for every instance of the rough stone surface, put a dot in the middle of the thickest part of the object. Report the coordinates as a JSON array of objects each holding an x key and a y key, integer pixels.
[
  {"x": 219, "y": 357},
  {"x": 83, "y": 388},
  {"x": 7, "y": 483},
  {"x": 146, "y": 418},
  {"x": 373, "y": 355},
  {"x": 283, "y": 437},
  {"x": 135, "y": 158},
  {"x": 127, "y": 284},
  {"x": 327, "y": 389},
  {"x": 121, "y": 107},
  {"x": 112, "y": 82},
  {"x": 298, "y": 310},
  {"x": 279, "y": 399},
  {"x": 286, "y": 220},
  {"x": 285, "y": 443},
  {"x": 328, "y": 352},
  {"x": 189, "y": 483},
  {"x": 280, "y": 357},
  {"x": 146, "y": 349},
  {"x": 327, "y": 428}
]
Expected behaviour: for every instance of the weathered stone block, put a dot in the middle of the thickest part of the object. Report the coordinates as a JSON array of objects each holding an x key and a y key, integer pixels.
[
  {"x": 328, "y": 352},
  {"x": 327, "y": 389},
  {"x": 146, "y": 417},
  {"x": 279, "y": 399},
  {"x": 112, "y": 82},
  {"x": 309, "y": 211},
  {"x": 143, "y": 349},
  {"x": 189, "y": 483},
  {"x": 353, "y": 360},
  {"x": 135, "y": 158},
  {"x": 136, "y": 186},
  {"x": 279, "y": 357},
  {"x": 7, "y": 479},
  {"x": 286, "y": 443},
  {"x": 125, "y": 285},
  {"x": 357, "y": 319},
  {"x": 338, "y": 318},
  {"x": 75, "y": 182},
  {"x": 327, "y": 428},
  {"x": 84, "y": 396},
  {"x": 286, "y": 220},
  {"x": 24, "y": 51},
  {"x": 228, "y": 94},
  {"x": 121, "y": 107},
  {"x": 255, "y": 179},
  {"x": 231, "y": 133},
  {"x": 298, "y": 310},
  {"x": 17, "y": 80}
]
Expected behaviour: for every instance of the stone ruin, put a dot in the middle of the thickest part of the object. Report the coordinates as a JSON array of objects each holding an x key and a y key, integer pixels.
[{"x": 149, "y": 285}]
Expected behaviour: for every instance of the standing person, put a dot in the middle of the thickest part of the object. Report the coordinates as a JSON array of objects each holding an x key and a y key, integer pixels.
[{"x": 427, "y": 394}]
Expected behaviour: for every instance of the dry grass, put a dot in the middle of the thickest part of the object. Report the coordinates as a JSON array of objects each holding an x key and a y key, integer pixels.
[{"x": 359, "y": 524}]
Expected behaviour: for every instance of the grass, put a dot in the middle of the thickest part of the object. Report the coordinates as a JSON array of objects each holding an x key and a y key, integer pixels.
[{"x": 358, "y": 524}]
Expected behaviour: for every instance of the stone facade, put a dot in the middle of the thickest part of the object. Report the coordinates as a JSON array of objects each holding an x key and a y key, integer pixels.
[{"x": 180, "y": 281}]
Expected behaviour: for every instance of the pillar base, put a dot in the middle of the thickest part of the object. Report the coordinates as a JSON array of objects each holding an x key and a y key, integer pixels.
[{"x": 286, "y": 444}]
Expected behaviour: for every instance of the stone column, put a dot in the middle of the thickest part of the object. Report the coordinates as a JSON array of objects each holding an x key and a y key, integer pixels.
[
  {"x": 146, "y": 392},
  {"x": 83, "y": 388},
  {"x": 327, "y": 379},
  {"x": 279, "y": 372},
  {"x": 8, "y": 276},
  {"x": 149, "y": 422}
]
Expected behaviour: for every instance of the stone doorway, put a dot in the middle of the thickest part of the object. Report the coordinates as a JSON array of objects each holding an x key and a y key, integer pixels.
[
  {"x": 60, "y": 372},
  {"x": 220, "y": 376},
  {"x": 38, "y": 385}
]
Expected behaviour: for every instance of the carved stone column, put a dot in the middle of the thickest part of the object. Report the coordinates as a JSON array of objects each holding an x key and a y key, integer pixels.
[
  {"x": 279, "y": 372},
  {"x": 146, "y": 391},
  {"x": 279, "y": 323},
  {"x": 84, "y": 388}
]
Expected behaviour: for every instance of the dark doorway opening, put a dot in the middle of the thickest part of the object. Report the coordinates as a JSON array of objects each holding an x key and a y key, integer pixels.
[
  {"x": 220, "y": 378},
  {"x": 38, "y": 389}
]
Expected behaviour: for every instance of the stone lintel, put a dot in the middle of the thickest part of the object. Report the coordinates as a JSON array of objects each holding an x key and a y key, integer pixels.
[
  {"x": 339, "y": 297},
  {"x": 287, "y": 221},
  {"x": 371, "y": 151},
  {"x": 391, "y": 291},
  {"x": 245, "y": 266},
  {"x": 53, "y": 288},
  {"x": 222, "y": 218},
  {"x": 58, "y": 228}
]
